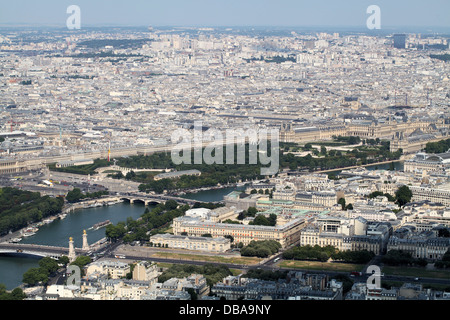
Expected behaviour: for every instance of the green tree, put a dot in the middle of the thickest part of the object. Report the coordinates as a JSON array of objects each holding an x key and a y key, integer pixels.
[
  {"x": 261, "y": 220},
  {"x": 403, "y": 195},
  {"x": 261, "y": 249},
  {"x": 193, "y": 294},
  {"x": 115, "y": 232},
  {"x": 130, "y": 175},
  {"x": 251, "y": 211},
  {"x": 3, "y": 293},
  {"x": 18, "y": 294},
  {"x": 81, "y": 262},
  {"x": 444, "y": 263},
  {"x": 397, "y": 258},
  {"x": 64, "y": 260},
  {"x": 15, "y": 294},
  {"x": 18, "y": 208},
  {"x": 128, "y": 238},
  {"x": 272, "y": 219},
  {"x": 213, "y": 273},
  {"x": 171, "y": 204},
  {"x": 74, "y": 195},
  {"x": 34, "y": 276},
  {"x": 438, "y": 147},
  {"x": 266, "y": 275},
  {"x": 341, "y": 201},
  {"x": 310, "y": 253},
  {"x": 48, "y": 264},
  {"x": 231, "y": 221}
]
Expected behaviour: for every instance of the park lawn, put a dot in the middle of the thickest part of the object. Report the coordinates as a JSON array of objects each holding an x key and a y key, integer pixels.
[
  {"x": 163, "y": 264},
  {"x": 416, "y": 272},
  {"x": 166, "y": 265},
  {"x": 330, "y": 143},
  {"x": 317, "y": 265},
  {"x": 235, "y": 272},
  {"x": 208, "y": 258},
  {"x": 169, "y": 229}
]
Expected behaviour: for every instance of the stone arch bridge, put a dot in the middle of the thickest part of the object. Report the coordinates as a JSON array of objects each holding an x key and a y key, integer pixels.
[
  {"x": 37, "y": 250},
  {"x": 155, "y": 199}
]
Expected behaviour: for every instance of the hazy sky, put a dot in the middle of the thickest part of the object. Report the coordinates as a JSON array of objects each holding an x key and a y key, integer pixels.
[{"x": 410, "y": 13}]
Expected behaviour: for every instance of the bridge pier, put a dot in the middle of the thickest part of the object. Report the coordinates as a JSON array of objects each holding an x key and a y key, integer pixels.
[
  {"x": 46, "y": 251},
  {"x": 85, "y": 242},
  {"x": 72, "y": 255}
]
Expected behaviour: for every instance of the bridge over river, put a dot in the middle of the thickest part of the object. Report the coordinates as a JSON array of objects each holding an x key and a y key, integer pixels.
[
  {"x": 156, "y": 198},
  {"x": 144, "y": 198},
  {"x": 56, "y": 252},
  {"x": 37, "y": 250}
]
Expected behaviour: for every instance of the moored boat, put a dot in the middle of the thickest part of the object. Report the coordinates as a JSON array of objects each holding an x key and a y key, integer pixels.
[{"x": 100, "y": 225}]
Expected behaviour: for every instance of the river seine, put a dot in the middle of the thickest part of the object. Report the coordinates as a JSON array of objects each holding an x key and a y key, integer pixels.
[{"x": 57, "y": 233}]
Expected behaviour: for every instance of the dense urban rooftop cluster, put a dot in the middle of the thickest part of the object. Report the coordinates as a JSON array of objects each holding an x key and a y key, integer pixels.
[
  {"x": 73, "y": 99},
  {"x": 75, "y": 93}
]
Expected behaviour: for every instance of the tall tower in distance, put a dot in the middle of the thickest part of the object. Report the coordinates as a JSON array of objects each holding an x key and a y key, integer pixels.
[
  {"x": 85, "y": 242},
  {"x": 109, "y": 151},
  {"x": 72, "y": 255},
  {"x": 400, "y": 41}
]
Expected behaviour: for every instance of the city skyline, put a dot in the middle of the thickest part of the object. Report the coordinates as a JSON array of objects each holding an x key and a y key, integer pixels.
[
  {"x": 201, "y": 13},
  {"x": 315, "y": 136}
]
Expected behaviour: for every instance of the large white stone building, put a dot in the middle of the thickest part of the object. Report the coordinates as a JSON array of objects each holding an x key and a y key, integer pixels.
[
  {"x": 115, "y": 269},
  {"x": 286, "y": 234},
  {"x": 439, "y": 194},
  {"x": 429, "y": 163},
  {"x": 198, "y": 243}
]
